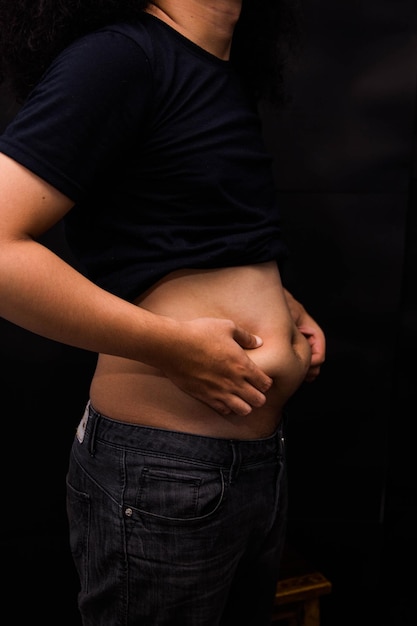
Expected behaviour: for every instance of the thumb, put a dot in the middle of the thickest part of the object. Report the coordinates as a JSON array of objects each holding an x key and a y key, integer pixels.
[{"x": 246, "y": 340}]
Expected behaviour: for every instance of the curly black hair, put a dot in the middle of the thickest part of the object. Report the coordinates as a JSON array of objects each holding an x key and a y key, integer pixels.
[{"x": 33, "y": 32}]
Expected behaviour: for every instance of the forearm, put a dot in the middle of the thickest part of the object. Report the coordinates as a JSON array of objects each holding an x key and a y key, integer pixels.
[{"x": 43, "y": 294}]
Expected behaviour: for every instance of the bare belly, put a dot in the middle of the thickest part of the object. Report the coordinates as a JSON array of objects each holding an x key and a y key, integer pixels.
[{"x": 253, "y": 297}]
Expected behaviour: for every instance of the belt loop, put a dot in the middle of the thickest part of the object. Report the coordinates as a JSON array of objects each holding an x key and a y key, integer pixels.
[
  {"x": 281, "y": 438},
  {"x": 236, "y": 460},
  {"x": 93, "y": 422}
]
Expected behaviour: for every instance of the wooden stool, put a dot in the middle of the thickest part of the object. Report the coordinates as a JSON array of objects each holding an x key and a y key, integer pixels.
[{"x": 297, "y": 599}]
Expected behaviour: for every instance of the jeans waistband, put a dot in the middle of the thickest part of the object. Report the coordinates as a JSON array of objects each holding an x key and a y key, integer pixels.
[{"x": 99, "y": 427}]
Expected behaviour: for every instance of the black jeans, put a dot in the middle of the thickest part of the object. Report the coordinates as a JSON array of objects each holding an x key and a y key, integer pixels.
[{"x": 168, "y": 528}]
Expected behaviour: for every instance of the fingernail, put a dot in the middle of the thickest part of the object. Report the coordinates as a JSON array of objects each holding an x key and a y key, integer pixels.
[{"x": 259, "y": 341}]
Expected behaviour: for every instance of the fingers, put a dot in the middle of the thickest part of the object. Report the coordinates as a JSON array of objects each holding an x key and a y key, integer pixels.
[
  {"x": 249, "y": 395},
  {"x": 317, "y": 360},
  {"x": 235, "y": 404},
  {"x": 315, "y": 337},
  {"x": 216, "y": 369},
  {"x": 238, "y": 395},
  {"x": 240, "y": 408},
  {"x": 317, "y": 341}
]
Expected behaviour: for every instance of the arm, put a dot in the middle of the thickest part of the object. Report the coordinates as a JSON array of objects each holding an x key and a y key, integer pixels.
[
  {"x": 313, "y": 333},
  {"x": 42, "y": 293}
]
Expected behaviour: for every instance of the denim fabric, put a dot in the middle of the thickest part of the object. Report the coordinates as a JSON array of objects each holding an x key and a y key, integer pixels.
[{"x": 168, "y": 528}]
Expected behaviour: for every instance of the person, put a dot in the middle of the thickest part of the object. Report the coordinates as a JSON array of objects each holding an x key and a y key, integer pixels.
[{"x": 139, "y": 129}]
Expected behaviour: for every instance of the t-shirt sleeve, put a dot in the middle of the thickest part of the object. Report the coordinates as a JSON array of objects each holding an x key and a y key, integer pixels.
[{"x": 85, "y": 114}]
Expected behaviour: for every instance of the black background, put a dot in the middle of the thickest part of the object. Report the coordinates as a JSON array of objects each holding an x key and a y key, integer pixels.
[
  {"x": 346, "y": 169},
  {"x": 346, "y": 177}
]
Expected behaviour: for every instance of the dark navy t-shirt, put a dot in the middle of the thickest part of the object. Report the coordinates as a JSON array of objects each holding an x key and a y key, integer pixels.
[{"x": 161, "y": 151}]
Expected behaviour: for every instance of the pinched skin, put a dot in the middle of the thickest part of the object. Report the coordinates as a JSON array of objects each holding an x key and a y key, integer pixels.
[{"x": 253, "y": 297}]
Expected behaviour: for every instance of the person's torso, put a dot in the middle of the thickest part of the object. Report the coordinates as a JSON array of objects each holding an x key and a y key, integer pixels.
[{"x": 252, "y": 296}]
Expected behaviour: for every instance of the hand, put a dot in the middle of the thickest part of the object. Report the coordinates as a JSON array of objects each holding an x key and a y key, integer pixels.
[
  {"x": 312, "y": 332},
  {"x": 210, "y": 364}
]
